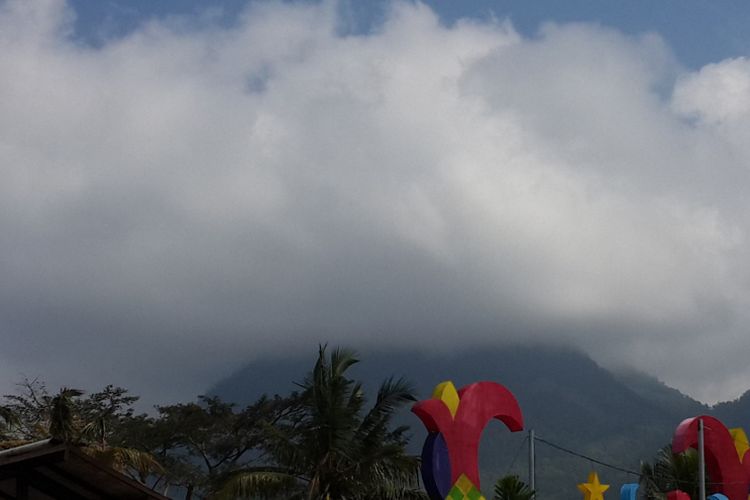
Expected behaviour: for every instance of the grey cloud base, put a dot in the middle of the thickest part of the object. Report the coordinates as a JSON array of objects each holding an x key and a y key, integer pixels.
[{"x": 189, "y": 197}]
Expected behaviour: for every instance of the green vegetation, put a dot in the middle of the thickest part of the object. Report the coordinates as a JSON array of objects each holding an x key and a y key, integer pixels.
[
  {"x": 512, "y": 488},
  {"x": 92, "y": 423},
  {"x": 670, "y": 471},
  {"x": 326, "y": 441},
  {"x": 329, "y": 447},
  {"x": 319, "y": 443}
]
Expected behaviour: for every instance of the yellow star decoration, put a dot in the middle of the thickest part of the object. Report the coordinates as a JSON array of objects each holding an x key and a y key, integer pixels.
[{"x": 593, "y": 490}]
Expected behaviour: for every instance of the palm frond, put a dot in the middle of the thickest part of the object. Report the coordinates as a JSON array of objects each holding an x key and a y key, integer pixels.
[
  {"x": 258, "y": 483},
  {"x": 391, "y": 394},
  {"x": 127, "y": 460},
  {"x": 512, "y": 488},
  {"x": 341, "y": 360}
]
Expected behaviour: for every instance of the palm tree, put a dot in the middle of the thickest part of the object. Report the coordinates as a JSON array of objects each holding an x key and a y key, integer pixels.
[
  {"x": 64, "y": 424},
  {"x": 8, "y": 420},
  {"x": 512, "y": 488},
  {"x": 329, "y": 449},
  {"x": 8, "y": 417},
  {"x": 669, "y": 472}
]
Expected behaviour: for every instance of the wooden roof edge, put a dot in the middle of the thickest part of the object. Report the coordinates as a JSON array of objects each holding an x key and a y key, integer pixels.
[
  {"x": 49, "y": 447},
  {"x": 31, "y": 450}
]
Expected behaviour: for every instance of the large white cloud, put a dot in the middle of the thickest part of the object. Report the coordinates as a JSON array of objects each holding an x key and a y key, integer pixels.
[{"x": 192, "y": 195}]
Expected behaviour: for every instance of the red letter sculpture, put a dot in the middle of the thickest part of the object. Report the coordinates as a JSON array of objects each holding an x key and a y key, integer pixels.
[
  {"x": 728, "y": 475},
  {"x": 455, "y": 421}
]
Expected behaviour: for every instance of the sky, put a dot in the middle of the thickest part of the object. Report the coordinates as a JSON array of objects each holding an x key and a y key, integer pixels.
[{"x": 188, "y": 186}]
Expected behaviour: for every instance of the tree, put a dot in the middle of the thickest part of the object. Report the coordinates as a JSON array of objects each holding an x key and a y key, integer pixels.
[
  {"x": 39, "y": 415},
  {"x": 317, "y": 443},
  {"x": 31, "y": 408},
  {"x": 670, "y": 471},
  {"x": 202, "y": 442},
  {"x": 64, "y": 419},
  {"x": 91, "y": 423},
  {"x": 104, "y": 413},
  {"x": 328, "y": 448},
  {"x": 8, "y": 421},
  {"x": 512, "y": 488},
  {"x": 192, "y": 446}
]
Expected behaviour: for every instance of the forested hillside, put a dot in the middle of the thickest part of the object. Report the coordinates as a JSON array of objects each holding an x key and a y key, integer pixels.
[{"x": 568, "y": 399}]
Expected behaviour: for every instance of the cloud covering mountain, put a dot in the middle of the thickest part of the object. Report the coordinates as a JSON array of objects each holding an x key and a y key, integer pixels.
[{"x": 191, "y": 195}]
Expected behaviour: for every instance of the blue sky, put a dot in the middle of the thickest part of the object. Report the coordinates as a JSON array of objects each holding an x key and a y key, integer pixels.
[
  {"x": 187, "y": 186},
  {"x": 698, "y": 31}
]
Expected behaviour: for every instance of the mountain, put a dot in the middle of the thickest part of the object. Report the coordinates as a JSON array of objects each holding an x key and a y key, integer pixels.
[
  {"x": 656, "y": 391},
  {"x": 577, "y": 408},
  {"x": 734, "y": 413}
]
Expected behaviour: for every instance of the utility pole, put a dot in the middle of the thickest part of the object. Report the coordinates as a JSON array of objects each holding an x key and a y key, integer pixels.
[
  {"x": 532, "y": 465},
  {"x": 701, "y": 461}
]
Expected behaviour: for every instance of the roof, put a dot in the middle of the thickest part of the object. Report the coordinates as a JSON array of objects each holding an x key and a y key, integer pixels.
[{"x": 50, "y": 469}]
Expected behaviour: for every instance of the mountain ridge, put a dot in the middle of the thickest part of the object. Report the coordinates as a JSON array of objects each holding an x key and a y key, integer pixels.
[{"x": 619, "y": 418}]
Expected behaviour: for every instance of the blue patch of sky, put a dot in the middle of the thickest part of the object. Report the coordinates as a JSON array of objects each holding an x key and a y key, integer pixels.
[{"x": 698, "y": 31}]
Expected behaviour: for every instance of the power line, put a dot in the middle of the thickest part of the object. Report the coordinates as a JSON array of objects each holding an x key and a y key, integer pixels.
[
  {"x": 620, "y": 468},
  {"x": 515, "y": 456},
  {"x": 586, "y": 457}
]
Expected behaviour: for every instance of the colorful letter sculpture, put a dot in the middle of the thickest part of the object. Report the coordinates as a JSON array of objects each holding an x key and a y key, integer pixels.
[
  {"x": 629, "y": 491},
  {"x": 717, "y": 496},
  {"x": 677, "y": 495},
  {"x": 728, "y": 474},
  {"x": 593, "y": 489},
  {"x": 455, "y": 421}
]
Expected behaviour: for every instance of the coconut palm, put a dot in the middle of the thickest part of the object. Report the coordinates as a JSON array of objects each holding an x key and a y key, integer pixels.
[
  {"x": 64, "y": 424},
  {"x": 670, "y": 471},
  {"x": 512, "y": 488},
  {"x": 330, "y": 449}
]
